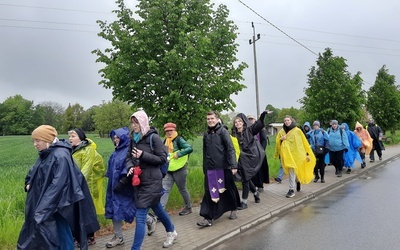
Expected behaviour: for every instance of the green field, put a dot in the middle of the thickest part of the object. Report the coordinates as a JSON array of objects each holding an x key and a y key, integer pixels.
[{"x": 18, "y": 155}]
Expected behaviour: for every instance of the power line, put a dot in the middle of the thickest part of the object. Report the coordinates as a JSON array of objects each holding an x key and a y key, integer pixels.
[
  {"x": 41, "y": 28},
  {"x": 278, "y": 28},
  {"x": 51, "y": 8},
  {"x": 47, "y": 22}
]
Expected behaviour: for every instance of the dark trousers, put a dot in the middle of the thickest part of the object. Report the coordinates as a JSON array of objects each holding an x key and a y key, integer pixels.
[
  {"x": 362, "y": 157},
  {"x": 247, "y": 185},
  {"x": 378, "y": 149},
  {"x": 320, "y": 165},
  {"x": 337, "y": 159}
]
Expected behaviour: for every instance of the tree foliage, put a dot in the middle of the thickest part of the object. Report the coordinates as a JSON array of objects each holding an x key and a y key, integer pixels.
[
  {"x": 383, "y": 101},
  {"x": 111, "y": 115},
  {"x": 73, "y": 117},
  {"x": 332, "y": 92},
  {"x": 176, "y": 60},
  {"x": 17, "y": 116},
  {"x": 52, "y": 114},
  {"x": 272, "y": 117},
  {"x": 297, "y": 114}
]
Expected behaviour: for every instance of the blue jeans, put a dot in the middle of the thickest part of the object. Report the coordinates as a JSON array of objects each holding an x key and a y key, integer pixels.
[
  {"x": 140, "y": 230},
  {"x": 280, "y": 174},
  {"x": 64, "y": 233}
]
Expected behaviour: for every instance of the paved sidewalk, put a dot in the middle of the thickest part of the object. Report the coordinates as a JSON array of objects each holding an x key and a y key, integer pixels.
[{"x": 273, "y": 202}]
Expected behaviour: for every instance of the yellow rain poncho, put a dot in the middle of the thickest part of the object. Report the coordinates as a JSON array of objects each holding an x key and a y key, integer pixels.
[
  {"x": 91, "y": 164},
  {"x": 293, "y": 154}
]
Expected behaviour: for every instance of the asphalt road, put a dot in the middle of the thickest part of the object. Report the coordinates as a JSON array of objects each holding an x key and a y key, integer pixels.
[{"x": 362, "y": 214}]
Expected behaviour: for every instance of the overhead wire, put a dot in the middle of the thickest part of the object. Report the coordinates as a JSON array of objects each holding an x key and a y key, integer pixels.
[{"x": 276, "y": 27}]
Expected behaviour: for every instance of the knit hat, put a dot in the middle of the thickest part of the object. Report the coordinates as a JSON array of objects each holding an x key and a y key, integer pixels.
[
  {"x": 316, "y": 123},
  {"x": 333, "y": 122},
  {"x": 81, "y": 134},
  {"x": 169, "y": 126},
  {"x": 44, "y": 133}
]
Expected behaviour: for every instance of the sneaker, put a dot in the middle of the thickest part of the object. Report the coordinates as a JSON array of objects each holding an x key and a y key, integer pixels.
[
  {"x": 233, "y": 215},
  {"x": 257, "y": 197},
  {"x": 290, "y": 194},
  {"x": 371, "y": 160},
  {"x": 76, "y": 244},
  {"x": 242, "y": 206},
  {"x": 316, "y": 178},
  {"x": 260, "y": 190},
  {"x": 204, "y": 223},
  {"x": 363, "y": 165},
  {"x": 171, "y": 237},
  {"x": 278, "y": 180},
  {"x": 298, "y": 186},
  {"x": 380, "y": 158},
  {"x": 185, "y": 211},
  {"x": 91, "y": 241},
  {"x": 339, "y": 174},
  {"x": 348, "y": 171},
  {"x": 115, "y": 241},
  {"x": 151, "y": 223}
]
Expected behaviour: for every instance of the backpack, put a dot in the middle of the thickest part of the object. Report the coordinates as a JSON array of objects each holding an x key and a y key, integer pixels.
[{"x": 165, "y": 165}]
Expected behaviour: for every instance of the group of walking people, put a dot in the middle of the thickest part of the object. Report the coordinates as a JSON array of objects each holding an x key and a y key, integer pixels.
[
  {"x": 64, "y": 187},
  {"x": 304, "y": 153}
]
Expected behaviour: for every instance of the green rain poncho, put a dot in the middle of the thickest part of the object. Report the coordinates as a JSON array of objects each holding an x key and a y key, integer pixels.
[{"x": 91, "y": 164}]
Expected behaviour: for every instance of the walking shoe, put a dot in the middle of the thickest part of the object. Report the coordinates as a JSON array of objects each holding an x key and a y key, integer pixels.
[
  {"x": 371, "y": 160},
  {"x": 278, "y": 180},
  {"x": 339, "y": 174},
  {"x": 260, "y": 189},
  {"x": 91, "y": 241},
  {"x": 363, "y": 165},
  {"x": 257, "y": 197},
  {"x": 151, "y": 223},
  {"x": 242, "y": 206},
  {"x": 76, "y": 244},
  {"x": 298, "y": 186},
  {"x": 185, "y": 211},
  {"x": 115, "y": 241},
  {"x": 233, "y": 215},
  {"x": 204, "y": 223},
  {"x": 316, "y": 178},
  {"x": 348, "y": 171},
  {"x": 171, "y": 237},
  {"x": 380, "y": 158},
  {"x": 290, "y": 194},
  {"x": 322, "y": 180}
]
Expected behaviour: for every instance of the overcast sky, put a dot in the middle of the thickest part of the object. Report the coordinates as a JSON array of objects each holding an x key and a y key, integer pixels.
[{"x": 45, "y": 46}]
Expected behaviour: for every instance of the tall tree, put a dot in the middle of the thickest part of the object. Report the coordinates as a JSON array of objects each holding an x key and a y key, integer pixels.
[
  {"x": 111, "y": 115},
  {"x": 16, "y": 116},
  {"x": 87, "y": 119},
  {"x": 332, "y": 92},
  {"x": 73, "y": 117},
  {"x": 53, "y": 113},
  {"x": 383, "y": 101},
  {"x": 176, "y": 60}
]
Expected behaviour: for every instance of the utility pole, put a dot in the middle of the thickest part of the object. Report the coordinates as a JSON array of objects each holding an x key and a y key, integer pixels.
[{"x": 255, "y": 66}]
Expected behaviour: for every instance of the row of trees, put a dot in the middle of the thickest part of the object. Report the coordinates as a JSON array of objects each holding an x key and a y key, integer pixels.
[{"x": 176, "y": 59}]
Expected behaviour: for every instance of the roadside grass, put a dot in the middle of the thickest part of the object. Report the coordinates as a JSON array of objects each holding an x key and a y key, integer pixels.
[{"x": 18, "y": 155}]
